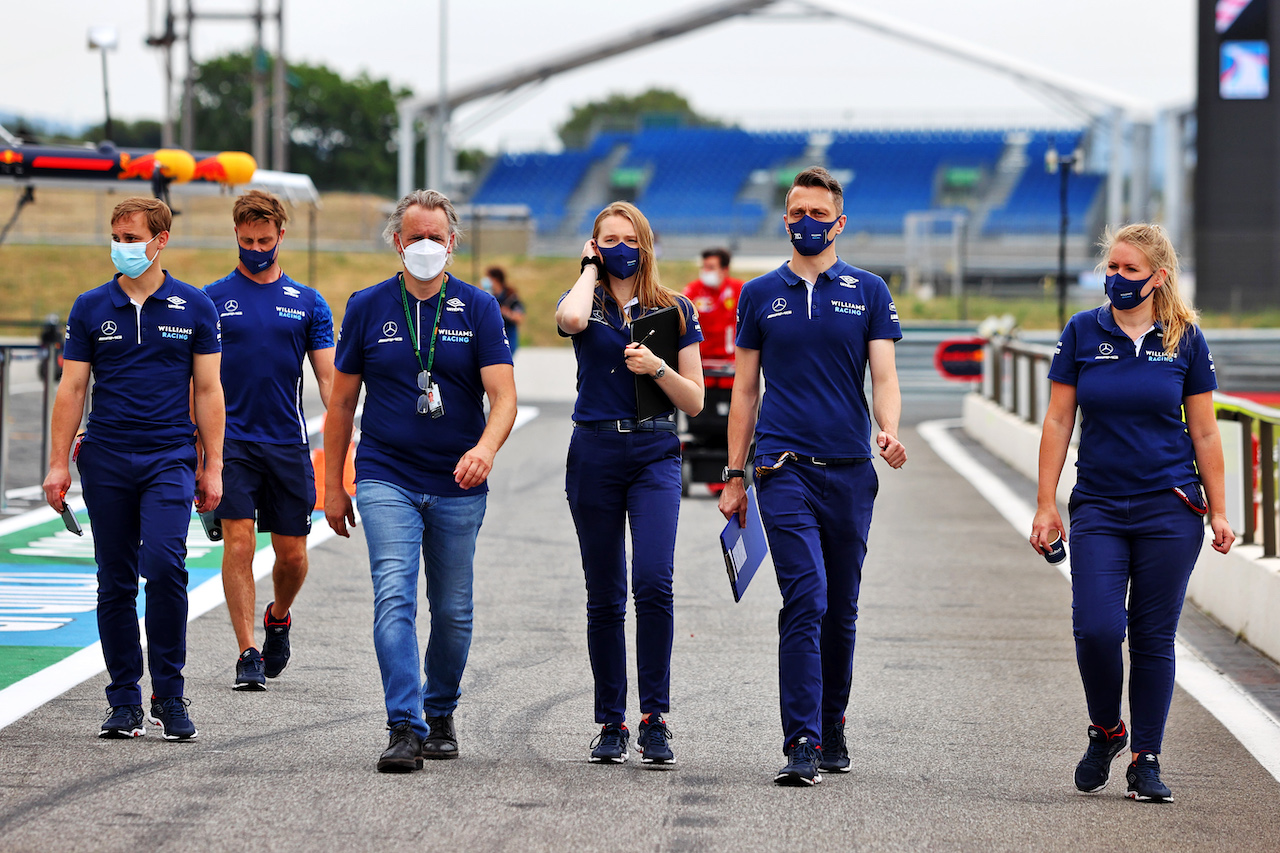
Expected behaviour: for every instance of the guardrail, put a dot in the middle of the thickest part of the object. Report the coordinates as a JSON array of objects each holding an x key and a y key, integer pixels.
[{"x": 1015, "y": 376}]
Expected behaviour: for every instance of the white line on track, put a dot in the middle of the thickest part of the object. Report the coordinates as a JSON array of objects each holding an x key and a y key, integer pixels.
[
  {"x": 1254, "y": 726},
  {"x": 22, "y": 697}
]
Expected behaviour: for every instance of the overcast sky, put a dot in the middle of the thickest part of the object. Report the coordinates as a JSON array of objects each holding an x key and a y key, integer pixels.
[{"x": 777, "y": 69}]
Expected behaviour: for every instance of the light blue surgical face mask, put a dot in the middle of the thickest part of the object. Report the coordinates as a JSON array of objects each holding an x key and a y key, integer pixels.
[
  {"x": 131, "y": 258},
  {"x": 811, "y": 237}
]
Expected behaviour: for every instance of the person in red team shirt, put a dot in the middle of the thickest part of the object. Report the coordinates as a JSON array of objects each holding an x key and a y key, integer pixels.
[{"x": 715, "y": 295}]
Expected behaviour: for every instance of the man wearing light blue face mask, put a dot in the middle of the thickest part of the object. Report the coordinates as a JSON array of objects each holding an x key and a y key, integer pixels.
[
  {"x": 152, "y": 345},
  {"x": 814, "y": 325},
  {"x": 270, "y": 325}
]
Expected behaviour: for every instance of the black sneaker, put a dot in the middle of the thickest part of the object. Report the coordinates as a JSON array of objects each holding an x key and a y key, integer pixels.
[
  {"x": 653, "y": 740},
  {"x": 610, "y": 746},
  {"x": 442, "y": 740},
  {"x": 275, "y": 651},
  {"x": 1094, "y": 768},
  {"x": 123, "y": 721},
  {"x": 835, "y": 752},
  {"x": 1144, "y": 780},
  {"x": 802, "y": 766},
  {"x": 171, "y": 715},
  {"x": 249, "y": 674},
  {"x": 404, "y": 751}
]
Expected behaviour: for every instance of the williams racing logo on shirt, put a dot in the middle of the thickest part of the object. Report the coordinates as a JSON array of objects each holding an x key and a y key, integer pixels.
[
  {"x": 176, "y": 332},
  {"x": 1161, "y": 355},
  {"x": 1106, "y": 352},
  {"x": 291, "y": 313},
  {"x": 848, "y": 307},
  {"x": 455, "y": 304},
  {"x": 455, "y": 336},
  {"x": 177, "y": 302},
  {"x": 389, "y": 335}
]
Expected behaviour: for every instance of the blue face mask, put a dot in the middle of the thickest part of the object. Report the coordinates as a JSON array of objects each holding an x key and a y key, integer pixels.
[
  {"x": 255, "y": 261},
  {"x": 1125, "y": 293},
  {"x": 621, "y": 261},
  {"x": 131, "y": 258},
  {"x": 809, "y": 236}
]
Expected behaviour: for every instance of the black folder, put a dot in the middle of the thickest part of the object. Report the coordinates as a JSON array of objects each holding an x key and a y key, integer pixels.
[{"x": 660, "y": 332}]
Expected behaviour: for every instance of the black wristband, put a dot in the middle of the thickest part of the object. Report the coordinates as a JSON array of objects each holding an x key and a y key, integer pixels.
[{"x": 593, "y": 260}]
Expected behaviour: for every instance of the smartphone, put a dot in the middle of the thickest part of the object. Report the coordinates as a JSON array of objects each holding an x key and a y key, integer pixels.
[
  {"x": 70, "y": 520},
  {"x": 212, "y": 526}
]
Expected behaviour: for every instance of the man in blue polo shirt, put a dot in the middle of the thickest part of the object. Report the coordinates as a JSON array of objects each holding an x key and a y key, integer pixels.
[
  {"x": 814, "y": 325},
  {"x": 270, "y": 325},
  {"x": 152, "y": 345},
  {"x": 428, "y": 348}
]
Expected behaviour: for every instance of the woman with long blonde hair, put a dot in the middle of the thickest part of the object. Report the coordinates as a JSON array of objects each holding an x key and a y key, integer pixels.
[
  {"x": 1145, "y": 482},
  {"x": 621, "y": 468}
]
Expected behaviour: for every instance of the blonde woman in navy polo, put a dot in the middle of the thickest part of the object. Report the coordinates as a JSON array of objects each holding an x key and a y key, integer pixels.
[
  {"x": 621, "y": 470},
  {"x": 1132, "y": 367}
]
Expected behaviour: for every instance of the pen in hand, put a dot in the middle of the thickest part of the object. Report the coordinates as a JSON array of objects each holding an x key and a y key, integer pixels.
[{"x": 632, "y": 344}]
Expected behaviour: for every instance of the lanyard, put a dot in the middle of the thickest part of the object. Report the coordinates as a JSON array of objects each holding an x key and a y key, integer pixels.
[{"x": 413, "y": 333}]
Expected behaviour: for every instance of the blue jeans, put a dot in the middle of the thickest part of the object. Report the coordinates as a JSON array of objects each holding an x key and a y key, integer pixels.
[{"x": 397, "y": 523}]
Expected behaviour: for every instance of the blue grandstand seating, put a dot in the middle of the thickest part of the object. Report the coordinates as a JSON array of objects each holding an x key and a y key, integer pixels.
[
  {"x": 1034, "y": 206},
  {"x": 895, "y": 173},
  {"x": 695, "y": 177},
  {"x": 544, "y": 182}
]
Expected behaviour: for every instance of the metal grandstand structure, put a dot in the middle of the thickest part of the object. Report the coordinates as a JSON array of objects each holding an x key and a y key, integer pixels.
[{"x": 1126, "y": 121}]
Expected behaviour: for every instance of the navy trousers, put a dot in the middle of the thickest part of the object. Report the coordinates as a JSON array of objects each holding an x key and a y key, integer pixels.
[
  {"x": 817, "y": 520},
  {"x": 140, "y": 509},
  {"x": 612, "y": 478},
  {"x": 1144, "y": 545}
]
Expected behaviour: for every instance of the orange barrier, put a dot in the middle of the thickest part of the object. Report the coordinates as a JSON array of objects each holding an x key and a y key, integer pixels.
[{"x": 348, "y": 473}]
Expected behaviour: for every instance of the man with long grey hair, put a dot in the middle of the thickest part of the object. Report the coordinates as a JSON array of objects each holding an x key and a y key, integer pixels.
[{"x": 428, "y": 347}]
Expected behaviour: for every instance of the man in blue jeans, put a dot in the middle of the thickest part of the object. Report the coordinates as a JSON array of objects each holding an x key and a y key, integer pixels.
[{"x": 428, "y": 347}]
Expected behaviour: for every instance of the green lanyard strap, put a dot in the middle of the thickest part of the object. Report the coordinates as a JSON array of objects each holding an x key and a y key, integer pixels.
[{"x": 413, "y": 333}]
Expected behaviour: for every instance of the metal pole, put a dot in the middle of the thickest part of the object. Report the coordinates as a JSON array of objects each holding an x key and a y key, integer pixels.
[
  {"x": 1064, "y": 169},
  {"x": 259, "y": 77},
  {"x": 279, "y": 94},
  {"x": 439, "y": 142},
  {"x": 188, "y": 88},
  {"x": 107, "y": 130},
  {"x": 6, "y": 356}
]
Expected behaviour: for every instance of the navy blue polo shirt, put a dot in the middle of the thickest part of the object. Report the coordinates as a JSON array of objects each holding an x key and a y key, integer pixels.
[
  {"x": 267, "y": 331},
  {"x": 1132, "y": 436},
  {"x": 813, "y": 350},
  {"x": 398, "y": 445},
  {"x": 142, "y": 359},
  {"x": 605, "y": 396}
]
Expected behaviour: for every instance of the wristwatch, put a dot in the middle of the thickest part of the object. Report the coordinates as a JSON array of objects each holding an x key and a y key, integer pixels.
[
  {"x": 661, "y": 371},
  {"x": 729, "y": 473}
]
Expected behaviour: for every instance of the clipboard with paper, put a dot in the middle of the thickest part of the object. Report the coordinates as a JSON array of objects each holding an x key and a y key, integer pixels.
[
  {"x": 660, "y": 332},
  {"x": 744, "y": 547}
]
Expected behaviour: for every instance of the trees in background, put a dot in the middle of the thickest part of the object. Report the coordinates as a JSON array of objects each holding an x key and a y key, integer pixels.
[{"x": 627, "y": 112}]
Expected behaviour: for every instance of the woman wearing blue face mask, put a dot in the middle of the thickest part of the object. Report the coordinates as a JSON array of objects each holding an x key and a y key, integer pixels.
[
  {"x": 1138, "y": 509},
  {"x": 621, "y": 469}
]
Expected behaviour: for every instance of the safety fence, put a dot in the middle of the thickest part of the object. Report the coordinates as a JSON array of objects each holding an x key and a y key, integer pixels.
[{"x": 1015, "y": 377}]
